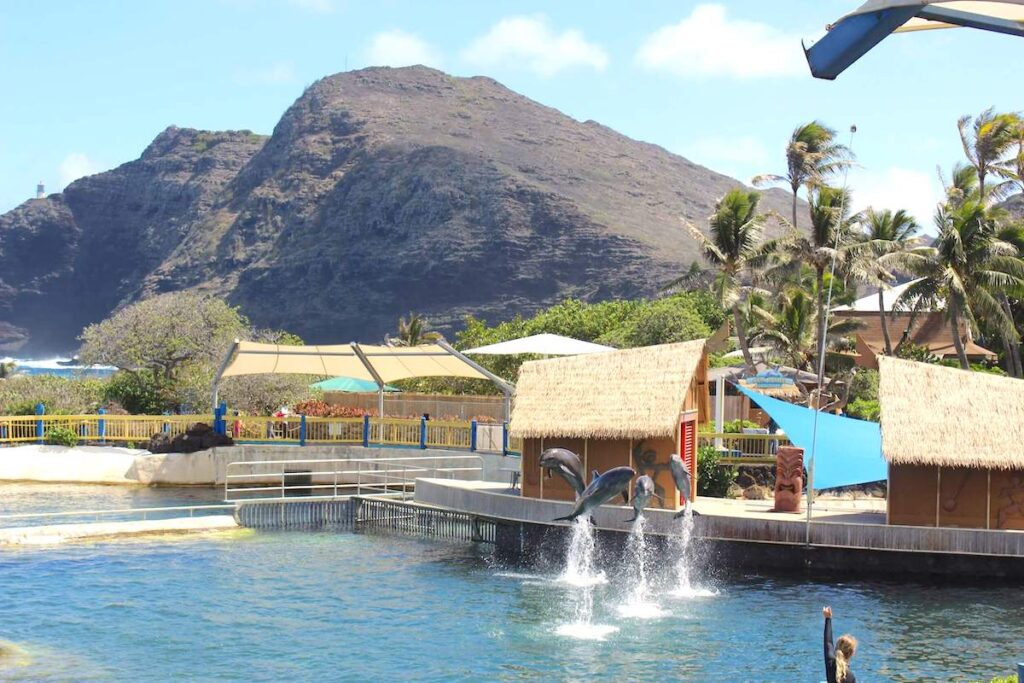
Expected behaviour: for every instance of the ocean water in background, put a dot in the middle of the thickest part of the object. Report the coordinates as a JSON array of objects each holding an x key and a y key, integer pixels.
[
  {"x": 342, "y": 606},
  {"x": 59, "y": 367}
]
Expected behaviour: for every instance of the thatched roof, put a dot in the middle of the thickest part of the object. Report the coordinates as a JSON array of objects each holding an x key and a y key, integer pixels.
[
  {"x": 633, "y": 393},
  {"x": 935, "y": 415}
]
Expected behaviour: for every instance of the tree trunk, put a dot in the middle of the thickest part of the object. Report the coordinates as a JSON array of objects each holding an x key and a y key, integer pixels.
[
  {"x": 794, "y": 209},
  {"x": 885, "y": 326},
  {"x": 819, "y": 348},
  {"x": 741, "y": 336},
  {"x": 958, "y": 342},
  {"x": 1012, "y": 345}
]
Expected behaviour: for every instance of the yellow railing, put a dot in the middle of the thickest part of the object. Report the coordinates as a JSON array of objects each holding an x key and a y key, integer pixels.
[
  {"x": 739, "y": 448},
  {"x": 138, "y": 429}
]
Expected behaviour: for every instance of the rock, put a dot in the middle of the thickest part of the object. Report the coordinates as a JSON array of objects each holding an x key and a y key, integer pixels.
[
  {"x": 745, "y": 480},
  {"x": 734, "y": 491},
  {"x": 400, "y": 177},
  {"x": 198, "y": 437},
  {"x": 756, "y": 492}
]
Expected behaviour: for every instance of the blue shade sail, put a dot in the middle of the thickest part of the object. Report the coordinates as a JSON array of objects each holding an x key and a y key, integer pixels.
[{"x": 849, "y": 451}]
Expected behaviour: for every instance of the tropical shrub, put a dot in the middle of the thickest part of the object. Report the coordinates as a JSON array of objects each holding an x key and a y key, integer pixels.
[
  {"x": 318, "y": 408},
  {"x": 713, "y": 479},
  {"x": 61, "y": 436},
  {"x": 864, "y": 409},
  {"x": 61, "y": 395},
  {"x": 139, "y": 393}
]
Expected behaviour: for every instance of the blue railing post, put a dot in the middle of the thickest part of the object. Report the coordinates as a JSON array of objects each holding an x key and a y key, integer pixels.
[
  {"x": 472, "y": 436},
  {"x": 423, "y": 432},
  {"x": 366, "y": 431},
  {"x": 167, "y": 426},
  {"x": 221, "y": 426},
  {"x": 40, "y": 425},
  {"x": 102, "y": 425},
  {"x": 504, "y": 438},
  {"x": 302, "y": 429}
]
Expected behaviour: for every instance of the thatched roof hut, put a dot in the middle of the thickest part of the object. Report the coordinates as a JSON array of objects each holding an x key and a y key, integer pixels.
[
  {"x": 629, "y": 394},
  {"x": 632, "y": 407},
  {"x": 935, "y": 415}
]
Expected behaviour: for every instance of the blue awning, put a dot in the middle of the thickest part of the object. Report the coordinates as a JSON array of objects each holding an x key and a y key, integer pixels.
[
  {"x": 848, "y": 452},
  {"x": 852, "y": 36},
  {"x": 350, "y": 385}
]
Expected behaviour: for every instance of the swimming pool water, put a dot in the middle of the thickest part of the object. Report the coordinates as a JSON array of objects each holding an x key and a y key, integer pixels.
[{"x": 339, "y": 606}]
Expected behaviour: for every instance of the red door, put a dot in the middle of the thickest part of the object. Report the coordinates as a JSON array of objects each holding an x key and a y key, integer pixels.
[{"x": 688, "y": 448}]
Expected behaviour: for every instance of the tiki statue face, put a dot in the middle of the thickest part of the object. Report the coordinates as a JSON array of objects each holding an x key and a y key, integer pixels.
[{"x": 789, "y": 478}]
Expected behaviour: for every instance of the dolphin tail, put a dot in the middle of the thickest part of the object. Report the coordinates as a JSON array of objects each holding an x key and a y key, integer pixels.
[
  {"x": 625, "y": 497},
  {"x": 638, "y": 516},
  {"x": 567, "y": 518},
  {"x": 679, "y": 514}
]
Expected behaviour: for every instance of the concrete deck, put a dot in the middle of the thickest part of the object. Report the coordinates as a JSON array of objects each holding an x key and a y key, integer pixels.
[
  {"x": 63, "y": 533},
  {"x": 837, "y": 523}
]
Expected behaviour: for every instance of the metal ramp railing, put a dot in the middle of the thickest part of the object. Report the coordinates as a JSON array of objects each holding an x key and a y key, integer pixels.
[{"x": 338, "y": 477}]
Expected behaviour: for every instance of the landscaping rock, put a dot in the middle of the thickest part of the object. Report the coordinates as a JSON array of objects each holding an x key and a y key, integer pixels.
[{"x": 198, "y": 437}]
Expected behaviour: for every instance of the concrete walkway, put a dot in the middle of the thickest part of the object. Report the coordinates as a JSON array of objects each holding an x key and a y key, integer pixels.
[{"x": 63, "y": 533}]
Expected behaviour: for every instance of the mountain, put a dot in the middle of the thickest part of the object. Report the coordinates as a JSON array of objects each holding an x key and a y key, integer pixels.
[{"x": 380, "y": 191}]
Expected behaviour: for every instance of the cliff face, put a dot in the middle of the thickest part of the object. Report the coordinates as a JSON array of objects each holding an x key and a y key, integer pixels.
[{"x": 380, "y": 191}]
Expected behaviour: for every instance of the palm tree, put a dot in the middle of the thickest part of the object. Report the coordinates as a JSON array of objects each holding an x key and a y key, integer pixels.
[
  {"x": 791, "y": 330},
  {"x": 889, "y": 244},
  {"x": 413, "y": 331},
  {"x": 987, "y": 139},
  {"x": 734, "y": 249},
  {"x": 972, "y": 267},
  {"x": 828, "y": 240},
  {"x": 6, "y": 369},
  {"x": 812, "y": 156}
]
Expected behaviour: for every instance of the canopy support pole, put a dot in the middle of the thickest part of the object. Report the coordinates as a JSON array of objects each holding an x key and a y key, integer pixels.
[
  {"x": 504, "y": 386},
  {"x": 376, "y": 377},
  {"x": 215, "y": 390}
]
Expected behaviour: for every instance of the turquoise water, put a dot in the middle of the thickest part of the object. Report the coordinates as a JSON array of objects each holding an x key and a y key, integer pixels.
[{"x": 340, "y": 606}]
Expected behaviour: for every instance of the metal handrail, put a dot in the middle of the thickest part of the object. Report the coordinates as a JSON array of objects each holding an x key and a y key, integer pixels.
[
  {"x": 395, "y": 477},
  {"x": 99, "y": 513}
]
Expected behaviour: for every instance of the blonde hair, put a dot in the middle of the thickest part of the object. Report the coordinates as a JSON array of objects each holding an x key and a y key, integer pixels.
[{"x": 846, "y": 646}]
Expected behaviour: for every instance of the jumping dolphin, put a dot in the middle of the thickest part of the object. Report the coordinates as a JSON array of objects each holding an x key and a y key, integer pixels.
[
  {"x": 602, "y": 489},
  {"x": 681, "y": 476},
  {"x": 565, "y": 464},
  {"x": 643, "y": 489}
]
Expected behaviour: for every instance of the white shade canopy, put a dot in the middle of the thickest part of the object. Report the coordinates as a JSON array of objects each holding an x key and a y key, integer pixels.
[
  {"x": 1005, "y": 10},
  {"x": 388, "y": 363},
  {"x": 541, "y": 344}
]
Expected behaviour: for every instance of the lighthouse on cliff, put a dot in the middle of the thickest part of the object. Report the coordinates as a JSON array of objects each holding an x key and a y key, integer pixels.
[{"x": 40, "y": 190}]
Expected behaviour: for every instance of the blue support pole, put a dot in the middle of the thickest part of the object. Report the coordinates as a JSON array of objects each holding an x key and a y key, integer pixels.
[
  {"x": 102, "y": 425},
  {"x": 223, "y": 414},
  {"x": 504, "y": 438},
  {"x": 167, "y": 426},
  {"x": 423, "y": 432},
  {"x": 302, "y": 429},
  {"x": 366, "y": 431},
  {"x": 472, "y": 436},
  {"x": 40, "y": 425}
]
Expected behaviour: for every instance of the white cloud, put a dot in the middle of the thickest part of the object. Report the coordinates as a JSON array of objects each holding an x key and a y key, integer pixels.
[
  {"x": 318, "y": 6},
  {"x": 275, "y": 74},
  {"x": 897, "y": 188},
  {"x": 74, "y": 166},
  {"x": 532, "y": 43},
  {"x": 398, "y": 48},
  {"x": 740, "y": 156},
  {"x": 709, "y": 43}
]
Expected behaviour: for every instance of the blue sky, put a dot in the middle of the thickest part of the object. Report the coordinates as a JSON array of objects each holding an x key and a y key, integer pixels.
[{"x": 86, "y": 86}]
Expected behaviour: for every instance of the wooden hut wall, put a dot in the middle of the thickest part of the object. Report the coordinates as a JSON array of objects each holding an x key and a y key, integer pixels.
[
  {"x": 969, "y": 497},
  {"x": 649, "y": 456}
]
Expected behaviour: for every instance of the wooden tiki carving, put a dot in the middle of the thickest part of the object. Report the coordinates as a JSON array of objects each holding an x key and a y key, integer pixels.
[{"x": 789, "y": 478}]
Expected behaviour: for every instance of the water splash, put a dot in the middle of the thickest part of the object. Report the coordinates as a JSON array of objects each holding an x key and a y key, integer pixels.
[
  {"x": 680, "y": 543},
  {"x": 581, "y": 574},
  {"x": 636, "y": 558}
]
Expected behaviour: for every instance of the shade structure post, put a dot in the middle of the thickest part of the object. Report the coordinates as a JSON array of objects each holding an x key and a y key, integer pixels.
[
  {"x": 215, "y": 389},
  {"x": 504, "y": 386}
]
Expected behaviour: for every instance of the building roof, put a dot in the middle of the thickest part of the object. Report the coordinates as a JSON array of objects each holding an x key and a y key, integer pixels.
[
  {"x": 869, "y": 303},
  {"x": 930, "y": 330},
  {"x": 632, "y": 393},
  {"x": 543, "y": 344},
  {"x": 935, "y": 415}
]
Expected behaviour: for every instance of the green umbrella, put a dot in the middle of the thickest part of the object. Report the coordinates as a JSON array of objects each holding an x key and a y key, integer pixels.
[{"x": 350, "y": 385}]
